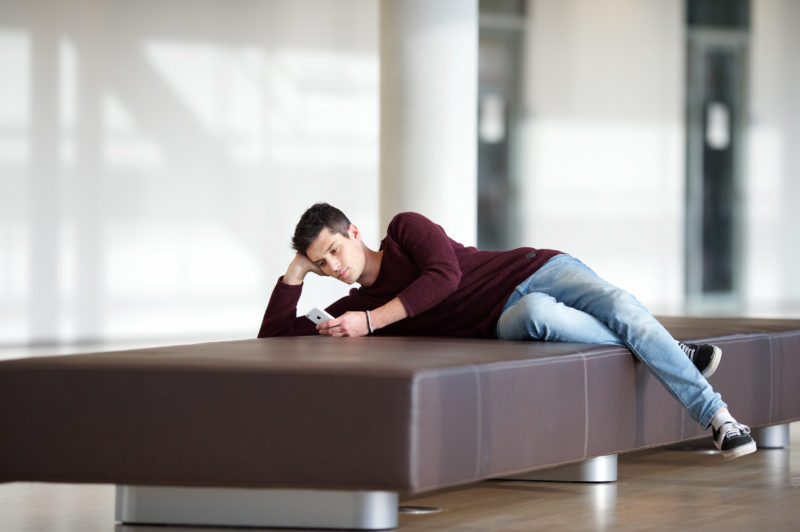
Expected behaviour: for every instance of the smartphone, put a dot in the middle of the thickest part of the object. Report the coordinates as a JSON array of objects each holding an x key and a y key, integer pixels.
[{"x": 317, "y": 315}]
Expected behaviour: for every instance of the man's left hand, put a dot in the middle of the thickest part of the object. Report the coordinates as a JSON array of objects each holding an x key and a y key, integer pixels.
[{"x": 348, "y": 324}]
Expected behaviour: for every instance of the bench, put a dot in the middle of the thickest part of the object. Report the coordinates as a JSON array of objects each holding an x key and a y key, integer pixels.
[{"x": 320, "y": 432}]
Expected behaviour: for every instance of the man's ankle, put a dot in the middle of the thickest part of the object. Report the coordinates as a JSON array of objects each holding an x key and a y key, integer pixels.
[{"x": 722, "y": 417}]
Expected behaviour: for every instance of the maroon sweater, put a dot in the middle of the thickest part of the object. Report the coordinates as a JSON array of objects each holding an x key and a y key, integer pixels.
[{"x": 447, "y": 289}]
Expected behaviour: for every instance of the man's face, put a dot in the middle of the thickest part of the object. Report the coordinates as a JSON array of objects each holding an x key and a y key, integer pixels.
[{"x": 338, "y": 256}]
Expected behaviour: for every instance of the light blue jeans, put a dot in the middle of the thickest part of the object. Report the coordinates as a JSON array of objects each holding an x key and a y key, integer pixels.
[{"x": 565, "y": 301}]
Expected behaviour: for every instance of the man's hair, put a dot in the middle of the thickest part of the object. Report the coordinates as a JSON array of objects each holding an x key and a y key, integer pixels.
[{"x": 317, "y": 217}]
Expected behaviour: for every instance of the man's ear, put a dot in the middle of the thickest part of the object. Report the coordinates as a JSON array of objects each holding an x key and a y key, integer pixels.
[{"x": 355, "y": 234}]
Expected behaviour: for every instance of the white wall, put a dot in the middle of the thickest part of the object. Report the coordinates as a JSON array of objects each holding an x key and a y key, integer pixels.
[
  {"x": 605, "y": 146},
  {"x": 155, "y": 156},
  {"x": 773, "y": 191},
  {"x": 604, "y": 143}
]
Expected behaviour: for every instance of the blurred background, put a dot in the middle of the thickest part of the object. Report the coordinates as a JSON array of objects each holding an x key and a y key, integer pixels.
[{"x": 155, "y": 156}]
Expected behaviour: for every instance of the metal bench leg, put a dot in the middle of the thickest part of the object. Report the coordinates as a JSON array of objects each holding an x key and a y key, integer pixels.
[
  {"x": 289, "y": 508},
  {"x": 772, "y": 437},
  {"x": 600, "y": 469}
]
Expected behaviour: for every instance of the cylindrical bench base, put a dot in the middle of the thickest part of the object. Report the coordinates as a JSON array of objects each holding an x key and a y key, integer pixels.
[
  {"x": 772, "y": 437},
  {"x": 600, "y": 469},
  {"x": 284, "y": 508}
]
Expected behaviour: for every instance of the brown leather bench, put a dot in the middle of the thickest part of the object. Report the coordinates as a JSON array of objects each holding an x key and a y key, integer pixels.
[{"x": 291, "y": 422}]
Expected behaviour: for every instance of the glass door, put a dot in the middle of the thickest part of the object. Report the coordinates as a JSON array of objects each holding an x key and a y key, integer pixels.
[
  {"x": 502, "y": 24},
  {"x": 716, "y": 121}
]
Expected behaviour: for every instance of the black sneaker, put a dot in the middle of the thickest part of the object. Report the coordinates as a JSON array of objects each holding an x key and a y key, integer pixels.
[
  {"x": 705, "y": 357},
  {"x": 734, "y": 440}
]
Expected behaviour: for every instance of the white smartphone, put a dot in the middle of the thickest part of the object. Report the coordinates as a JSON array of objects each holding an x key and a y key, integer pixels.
[{"x": 317, "y": 315}]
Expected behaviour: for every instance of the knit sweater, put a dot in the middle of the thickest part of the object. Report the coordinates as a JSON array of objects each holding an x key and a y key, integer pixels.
[{"x": 446, "y": 288}]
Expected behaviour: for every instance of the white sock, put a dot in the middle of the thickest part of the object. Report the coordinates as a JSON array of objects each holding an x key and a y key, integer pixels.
[{"x": 722, "y": 417}]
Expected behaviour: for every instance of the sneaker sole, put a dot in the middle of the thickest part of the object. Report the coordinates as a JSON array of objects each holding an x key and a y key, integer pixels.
[
  {"x": 716, "y": 356},
  {"x": 739, "y": 451}
]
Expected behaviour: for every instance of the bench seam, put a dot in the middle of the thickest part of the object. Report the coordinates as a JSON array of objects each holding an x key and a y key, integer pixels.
[
  {"x": 479, "y": 423},
  {"x": 585, "y": 408},
  {"x": 771, "y": 379}
]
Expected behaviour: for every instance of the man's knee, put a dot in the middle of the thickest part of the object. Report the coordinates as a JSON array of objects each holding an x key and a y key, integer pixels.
[
  {"x": 622, "y": 303},
  {"x": 527, "y": 319},
  {"x": 537, "y": 305}
]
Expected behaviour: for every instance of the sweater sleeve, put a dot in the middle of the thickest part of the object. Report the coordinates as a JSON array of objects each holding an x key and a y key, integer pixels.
[
  {"x": 432, "y": 251},
  {"x": 280, "y": 318}
]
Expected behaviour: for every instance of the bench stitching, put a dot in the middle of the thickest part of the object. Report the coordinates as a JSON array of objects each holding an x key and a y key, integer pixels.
[
  {"x": 585, "y": 408},
  {"x": 479, "y": 424},
  {"x": 771, "y": 378},
  {"x": 415, "y": 421}
]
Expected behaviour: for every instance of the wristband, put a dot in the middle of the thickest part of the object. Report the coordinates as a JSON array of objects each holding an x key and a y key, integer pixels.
[{"x": 369, "y": 323}]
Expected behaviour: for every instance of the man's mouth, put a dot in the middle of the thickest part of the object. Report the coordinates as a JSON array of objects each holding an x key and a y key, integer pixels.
[{"x": 343, "y": 273}]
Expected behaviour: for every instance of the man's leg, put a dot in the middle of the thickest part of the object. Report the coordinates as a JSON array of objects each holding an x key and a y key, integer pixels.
[
  {"x": 570, "y": 282},
  {"x": 530, "y": 315},
  {"x": 539, "y": 316}
]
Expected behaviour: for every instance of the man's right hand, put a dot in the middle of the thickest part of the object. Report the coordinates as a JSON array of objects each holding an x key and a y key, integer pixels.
[{"x": 298, "y": 269}]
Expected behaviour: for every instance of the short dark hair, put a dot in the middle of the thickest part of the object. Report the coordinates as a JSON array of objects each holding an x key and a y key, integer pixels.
[{"x": 317, "y": 217}]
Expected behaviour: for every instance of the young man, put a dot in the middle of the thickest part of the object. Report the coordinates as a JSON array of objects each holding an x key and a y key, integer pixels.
[{"x": 421, "y": 282}]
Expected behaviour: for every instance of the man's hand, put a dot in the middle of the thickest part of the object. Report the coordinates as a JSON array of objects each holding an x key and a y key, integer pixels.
[
  {"x": 348, "y": 324},
  {"x": 355, "y": 323},
  {"x": 298, "y": 269}
]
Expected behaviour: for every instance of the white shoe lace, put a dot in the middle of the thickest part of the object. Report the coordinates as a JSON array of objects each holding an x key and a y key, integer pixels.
[
  {"x": 731, "y": 428},
  {"x": 687, "y": 349}
]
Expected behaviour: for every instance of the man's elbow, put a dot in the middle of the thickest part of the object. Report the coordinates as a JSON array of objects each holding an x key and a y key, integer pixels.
[{"x": 452, "y": 280}]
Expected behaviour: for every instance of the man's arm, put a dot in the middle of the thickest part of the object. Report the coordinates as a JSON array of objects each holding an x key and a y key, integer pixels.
[
  {"x": 354, "y": 323},
  {"x": 439, "y": 275},
  {"x": 280, "y": 318},
  {"x": 433, "y": 252},
  {"x": 387, "y": 314},
  {"x": 299, "y": 268}
]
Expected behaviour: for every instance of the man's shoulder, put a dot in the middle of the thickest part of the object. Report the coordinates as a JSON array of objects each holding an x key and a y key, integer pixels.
[
  {"x": 409, "y": 216},
  {"x": 411, "y": 220}
]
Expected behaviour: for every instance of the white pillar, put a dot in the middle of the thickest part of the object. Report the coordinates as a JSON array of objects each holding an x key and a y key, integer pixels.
[{"x": 429, "y": 78}]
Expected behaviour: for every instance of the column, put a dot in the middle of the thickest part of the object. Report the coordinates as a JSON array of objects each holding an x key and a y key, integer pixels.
[{"x": 428, "y": 142}]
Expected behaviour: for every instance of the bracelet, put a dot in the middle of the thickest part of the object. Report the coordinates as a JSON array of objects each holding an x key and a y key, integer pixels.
[{"x": 369, "y": 323}]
